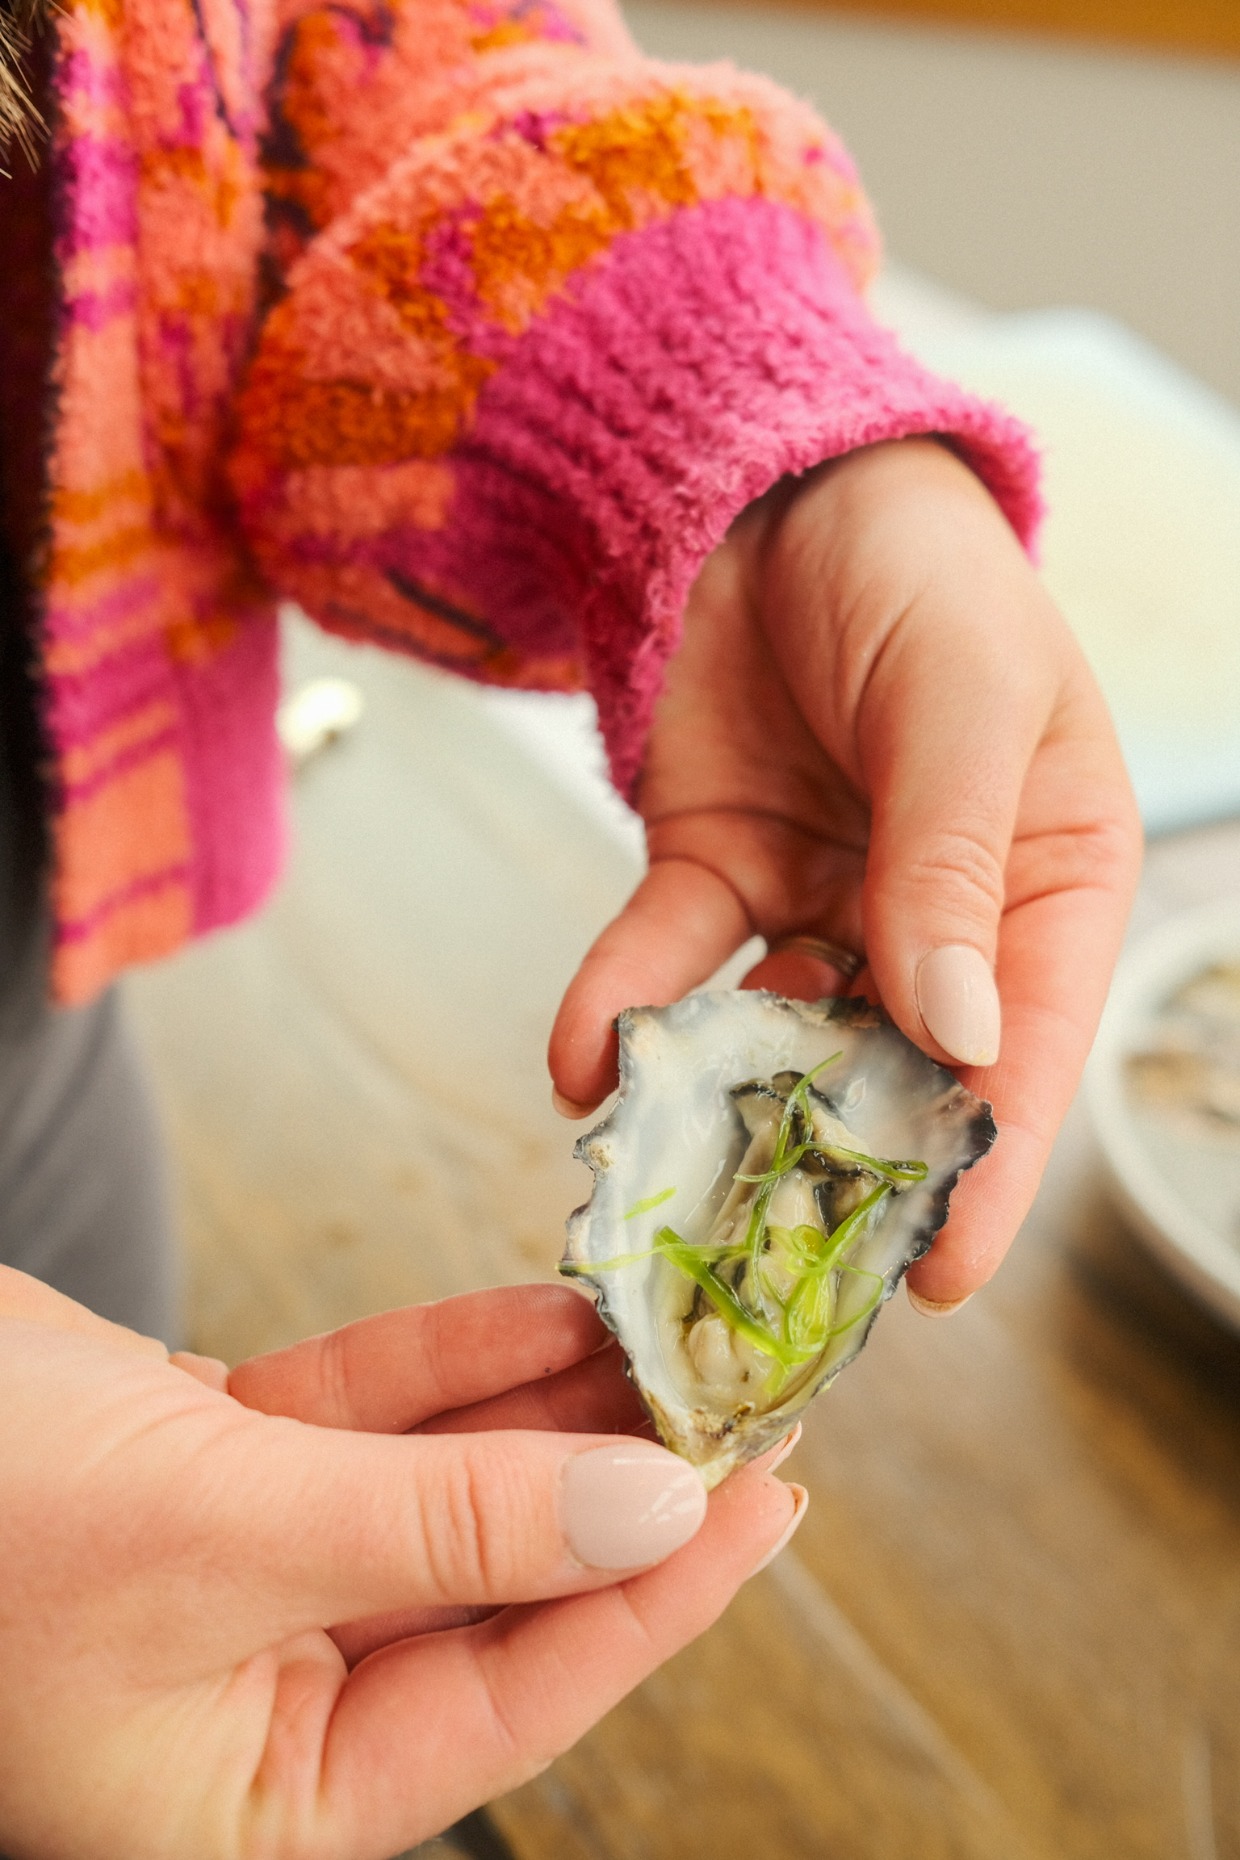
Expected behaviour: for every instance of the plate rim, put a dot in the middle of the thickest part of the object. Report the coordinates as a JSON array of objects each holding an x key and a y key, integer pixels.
[{"x": 1157, "y": 962}]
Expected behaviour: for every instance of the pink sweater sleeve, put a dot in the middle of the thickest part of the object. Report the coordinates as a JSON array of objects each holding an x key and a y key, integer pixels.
[{"x": 523, "y": 377}]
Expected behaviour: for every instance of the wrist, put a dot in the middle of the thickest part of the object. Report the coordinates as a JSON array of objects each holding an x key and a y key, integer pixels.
[
  {"x": 828, "y": 508},
  {"x": 887, "y": 470}
]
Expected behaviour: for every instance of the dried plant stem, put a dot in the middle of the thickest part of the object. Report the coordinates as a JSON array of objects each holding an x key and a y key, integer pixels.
[{"x": 20, "y": 122}]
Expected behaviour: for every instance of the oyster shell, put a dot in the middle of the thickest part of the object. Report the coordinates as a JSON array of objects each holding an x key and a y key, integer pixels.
[{"x": 737, "y": 1300}]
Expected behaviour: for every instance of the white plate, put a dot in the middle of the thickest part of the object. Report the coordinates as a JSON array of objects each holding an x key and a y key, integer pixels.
[{"x": 1194, "y": 1231}]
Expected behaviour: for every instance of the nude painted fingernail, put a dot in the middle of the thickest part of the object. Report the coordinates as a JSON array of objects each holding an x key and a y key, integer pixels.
[
  {"x": 786, "y": 1448},
  {"x": 930, "y": 1307},
  {"x": 627, "y": 1506},
  {"x": 568, "y": 1107},
  {"x": 801, "y": 1506},
  {"x": 774, "y": 1456},
  {"x": 958, "y": 1000}
]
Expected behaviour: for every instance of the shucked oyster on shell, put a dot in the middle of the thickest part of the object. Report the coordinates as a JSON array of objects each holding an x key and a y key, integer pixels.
[{"x": 737, "y": 1300}]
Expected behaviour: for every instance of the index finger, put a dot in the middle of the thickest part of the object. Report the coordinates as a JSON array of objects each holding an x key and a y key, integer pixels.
[
  {"x": 1070, "y": 889},
  {"x": 590, "y": 1397},
  {"x": 388, "y": 1374}
]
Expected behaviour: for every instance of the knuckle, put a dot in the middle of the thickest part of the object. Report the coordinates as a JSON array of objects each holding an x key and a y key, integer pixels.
[
  {"x": 1111, "y": 851},
  {"x": 505, "y": 1732},
  {"x": 960, "y": 873},
  {"x": 465, "y": 1529},
  {"x": 335, "y": 1379},
  {"x": 1103, "y": 857},
  {"x": 434, "y": 1346},
  {"x": 638, "y": 1627}
]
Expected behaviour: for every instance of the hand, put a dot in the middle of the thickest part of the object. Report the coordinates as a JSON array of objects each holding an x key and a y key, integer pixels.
[
  {"x": 170, "y": 1560},
  {"x": 879, "y": 729}
]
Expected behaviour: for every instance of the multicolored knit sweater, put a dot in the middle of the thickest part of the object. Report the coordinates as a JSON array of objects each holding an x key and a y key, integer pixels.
[{"x": 455, "y": 321}]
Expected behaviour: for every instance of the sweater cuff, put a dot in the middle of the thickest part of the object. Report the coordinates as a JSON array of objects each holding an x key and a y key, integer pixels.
[{"x": 703, "y": 359}]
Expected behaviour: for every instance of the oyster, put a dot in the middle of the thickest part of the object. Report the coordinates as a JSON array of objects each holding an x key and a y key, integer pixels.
[{"x": 770, "y": 1171}]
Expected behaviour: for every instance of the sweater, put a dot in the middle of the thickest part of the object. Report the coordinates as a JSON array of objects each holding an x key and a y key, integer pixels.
[{"x": 457, "y": 322}]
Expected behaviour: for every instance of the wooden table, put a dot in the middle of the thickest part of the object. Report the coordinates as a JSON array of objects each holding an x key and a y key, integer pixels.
[{"x": 1010, "y": 1625}]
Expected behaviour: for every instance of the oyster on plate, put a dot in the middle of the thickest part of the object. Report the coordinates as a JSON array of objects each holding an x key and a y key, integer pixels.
[{"x": 769, "y": 1172}]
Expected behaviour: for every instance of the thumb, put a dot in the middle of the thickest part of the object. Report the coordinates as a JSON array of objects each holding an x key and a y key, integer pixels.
[
  {"x": 945, "y": 740},
  {"x": 928, "y": 659},
  {"x": 333, "y": 1525}
]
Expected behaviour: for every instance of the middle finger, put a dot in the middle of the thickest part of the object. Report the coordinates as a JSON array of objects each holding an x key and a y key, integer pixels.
[{"x": 593, "y": 1397}]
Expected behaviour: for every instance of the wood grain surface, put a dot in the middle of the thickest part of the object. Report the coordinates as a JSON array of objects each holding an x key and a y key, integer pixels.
[{"x": 1010, "y": 1626}]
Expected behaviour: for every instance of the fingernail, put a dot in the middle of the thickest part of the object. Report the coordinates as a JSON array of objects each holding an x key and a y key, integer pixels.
[
  {"x": 774, "y": 1456},
  {"x": 782, "y": 1452},
  {"x": 568, "y": 1107},
  {"x": 930, "y": 1307},
  {"x": 627, "y": 1506},
  {"x": 801, "y": 1506},
  {"x": 958, "y": 1000}
]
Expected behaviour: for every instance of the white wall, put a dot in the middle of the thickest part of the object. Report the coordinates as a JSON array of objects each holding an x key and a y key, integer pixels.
[{"x": 1023, "y": 171}]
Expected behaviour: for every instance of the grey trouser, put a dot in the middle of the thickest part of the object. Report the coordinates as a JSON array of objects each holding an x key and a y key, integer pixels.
[{"x": 83, "y": 1185}]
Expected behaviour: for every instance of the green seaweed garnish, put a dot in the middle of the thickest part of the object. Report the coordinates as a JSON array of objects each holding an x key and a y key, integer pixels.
[
  {"x": 694, "y": 1263},
  {"x": 783, "y": 1160},
  {"x": 651, "y": 1201},
  {"x": 794, "y": 1325}
]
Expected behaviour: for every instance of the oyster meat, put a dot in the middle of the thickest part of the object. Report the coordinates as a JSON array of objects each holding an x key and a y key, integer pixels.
[{"x": 769, "y": 1172}]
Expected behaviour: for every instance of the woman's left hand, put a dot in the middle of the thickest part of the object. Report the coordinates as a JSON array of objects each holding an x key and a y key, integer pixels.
[
  {"x": 179, "y": 1546},
  {"x": 878, "y": 730}
]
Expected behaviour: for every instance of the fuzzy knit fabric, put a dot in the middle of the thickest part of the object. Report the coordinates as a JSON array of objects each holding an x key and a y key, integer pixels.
[{"x": 455, "y": 321}]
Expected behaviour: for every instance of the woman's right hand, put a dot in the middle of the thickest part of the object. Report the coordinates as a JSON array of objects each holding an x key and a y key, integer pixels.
[{"x": 176, "y": 1542}]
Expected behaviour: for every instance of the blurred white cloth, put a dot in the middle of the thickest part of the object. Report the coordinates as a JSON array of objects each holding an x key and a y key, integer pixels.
[{"x": 1142, "y": 547}]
